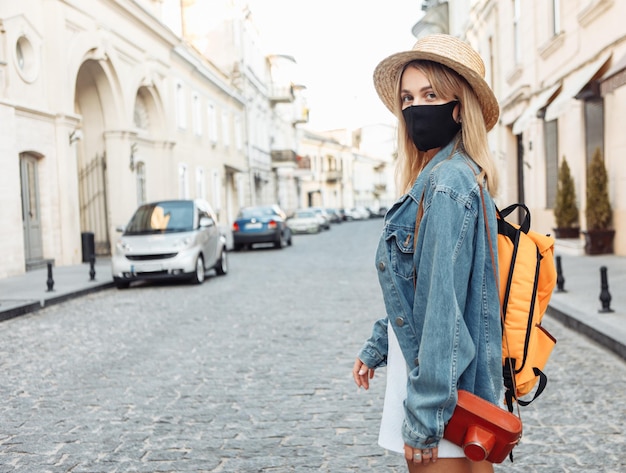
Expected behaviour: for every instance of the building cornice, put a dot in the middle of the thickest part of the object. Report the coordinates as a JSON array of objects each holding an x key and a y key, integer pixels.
[{"x": 185, "y": 54}]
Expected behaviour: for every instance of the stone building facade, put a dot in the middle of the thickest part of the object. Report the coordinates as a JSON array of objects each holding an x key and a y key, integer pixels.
[
  {"x": 558, "y": 68},
  {"x": 106, "y": 104}
]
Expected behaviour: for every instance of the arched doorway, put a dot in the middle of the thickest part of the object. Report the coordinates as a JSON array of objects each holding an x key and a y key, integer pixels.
[
  {"x": 31, "y": 223},
  {"x": 93, "y": 96}
]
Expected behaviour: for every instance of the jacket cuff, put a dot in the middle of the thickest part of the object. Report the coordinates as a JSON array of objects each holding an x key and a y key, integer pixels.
[
  {"x": 372, "y": 358},
  {"x": 416, "y": 440}
]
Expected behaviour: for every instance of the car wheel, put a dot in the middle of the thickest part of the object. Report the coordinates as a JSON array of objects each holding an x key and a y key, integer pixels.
[
  {"x": 198, "y": 276},
  {"x": 280, "y": 243},
  {"x": 289, "y": 240},
  {"x": 222, "y": 264},
  {"x": 237, "y": 247},
  {"x": 122, "y": 284}
]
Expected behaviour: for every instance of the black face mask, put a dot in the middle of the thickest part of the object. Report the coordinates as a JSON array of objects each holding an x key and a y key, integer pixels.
[{"x": 431, "y": 126}]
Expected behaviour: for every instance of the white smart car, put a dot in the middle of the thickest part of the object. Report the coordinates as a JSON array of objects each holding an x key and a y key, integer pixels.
[{"x": 170, "y": 239}]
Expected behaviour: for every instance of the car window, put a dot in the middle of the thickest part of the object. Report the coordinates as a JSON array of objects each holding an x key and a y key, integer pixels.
[
  {"x": 162, "y": 217},
  {"x": 259, "y": 212},
  {"x": 305, "y": 214}
]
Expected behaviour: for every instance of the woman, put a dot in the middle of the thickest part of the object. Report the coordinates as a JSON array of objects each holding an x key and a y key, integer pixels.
[{"x": 442, "y": 330}]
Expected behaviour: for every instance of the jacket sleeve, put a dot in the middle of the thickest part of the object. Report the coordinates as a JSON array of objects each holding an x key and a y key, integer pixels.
[
  {"x": 443, "y": 260},
  {"x": 374, "y": 351}
]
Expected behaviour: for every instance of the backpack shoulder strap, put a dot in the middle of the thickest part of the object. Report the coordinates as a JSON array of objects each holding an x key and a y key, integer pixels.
[{"x": 497, "y": 282}]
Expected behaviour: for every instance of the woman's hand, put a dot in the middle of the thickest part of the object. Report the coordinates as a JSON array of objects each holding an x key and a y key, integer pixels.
[
  {"x": 420, "y": 456},
  {"x": 362, "y": 374}
]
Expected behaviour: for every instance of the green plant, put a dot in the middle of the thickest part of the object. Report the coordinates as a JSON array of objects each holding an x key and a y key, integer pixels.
[
  {"x": 598, "y": 212},
  {"x": 565, "y": 209}
]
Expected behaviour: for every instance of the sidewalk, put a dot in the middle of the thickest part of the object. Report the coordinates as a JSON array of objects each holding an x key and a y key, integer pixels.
[
  {"x": 29, "y": 292},
  {"x": 577, "y": 307}
]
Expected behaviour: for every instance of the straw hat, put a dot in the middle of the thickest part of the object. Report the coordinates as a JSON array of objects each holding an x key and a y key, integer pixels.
[{"x": 449, "y": 51}]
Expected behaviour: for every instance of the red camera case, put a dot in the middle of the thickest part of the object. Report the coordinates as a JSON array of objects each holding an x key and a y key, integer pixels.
[{"x": 484, "y": 430}]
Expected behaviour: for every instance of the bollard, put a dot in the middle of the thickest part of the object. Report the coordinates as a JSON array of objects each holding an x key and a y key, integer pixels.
[
  {"x": 92, "y": 268},
  {"x": 605, "y": 295},
  {"x": 50, "y": 281},
  {"x": 560, "y": 280}
]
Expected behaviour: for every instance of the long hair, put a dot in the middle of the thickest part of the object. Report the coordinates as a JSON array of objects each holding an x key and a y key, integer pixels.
[{"x": 449, "y": 85}]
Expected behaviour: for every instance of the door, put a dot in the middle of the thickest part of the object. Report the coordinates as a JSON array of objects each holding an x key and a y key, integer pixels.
[{"x": 31, "y": 222}]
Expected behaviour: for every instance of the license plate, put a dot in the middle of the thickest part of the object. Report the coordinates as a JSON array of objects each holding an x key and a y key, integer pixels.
[
  {"x": 147, "y": 267},
  {"x": 254, "y": 226}
]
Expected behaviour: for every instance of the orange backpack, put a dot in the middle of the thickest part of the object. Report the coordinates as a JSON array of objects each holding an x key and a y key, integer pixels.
[{"x": 526, "y": 281}]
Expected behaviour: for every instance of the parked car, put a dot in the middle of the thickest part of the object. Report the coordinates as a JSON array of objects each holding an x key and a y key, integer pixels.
[
  {"x": 334, "y": 215},
  {"x": 304, "y": 221},
  {"x": 261, "y": 224},
  {"x": 358, "y": 213},
  {"x": 377, "y": 213},
  {"x": 322, "y": 216},
  {"x": 171, "y": 239}
]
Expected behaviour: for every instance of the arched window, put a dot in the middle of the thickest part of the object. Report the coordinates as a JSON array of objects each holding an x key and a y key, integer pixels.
[
  {"x": 183, "y": 181},
  {"x": 212, "y": 119},
  {"x": 200, "y": 184},
  {"x": 140, "y": 114},
  {"x": 140, "y": 175},
  {"x": 181, "y": 109},
  {"x": 197, "y": 114}
]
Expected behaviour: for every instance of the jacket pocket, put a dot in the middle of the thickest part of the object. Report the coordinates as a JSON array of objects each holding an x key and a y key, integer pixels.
[{"x": 400, "y": 244}]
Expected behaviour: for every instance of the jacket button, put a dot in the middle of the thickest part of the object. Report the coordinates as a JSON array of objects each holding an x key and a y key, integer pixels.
[
  {"x": 416, "y": 361},
  {"x": 399, "y": 321},
  {"x": 381, "y": 266}
]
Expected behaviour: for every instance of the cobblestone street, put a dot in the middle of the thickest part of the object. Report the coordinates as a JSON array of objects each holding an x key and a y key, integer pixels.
[{"x": 250, "y": 372}]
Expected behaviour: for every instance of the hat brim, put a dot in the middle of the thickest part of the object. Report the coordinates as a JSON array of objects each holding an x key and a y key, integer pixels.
[{"x": 388, "y": 70}]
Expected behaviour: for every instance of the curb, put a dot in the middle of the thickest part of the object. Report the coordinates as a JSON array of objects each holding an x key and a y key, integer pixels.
[
  {"x": 30, "y": 307},
  {"x": 597, "y": 336}
]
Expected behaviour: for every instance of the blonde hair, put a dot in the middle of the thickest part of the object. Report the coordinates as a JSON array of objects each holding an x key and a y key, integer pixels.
[{"x": 447, "y": 84}]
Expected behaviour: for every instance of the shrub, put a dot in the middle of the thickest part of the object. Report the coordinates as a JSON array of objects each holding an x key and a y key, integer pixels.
[
  {"x": 598, "y": 211},
  {"x": 565, "y": 209}
]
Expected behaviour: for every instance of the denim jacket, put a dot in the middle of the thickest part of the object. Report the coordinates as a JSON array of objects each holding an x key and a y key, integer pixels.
[{"x": 441, "y": 299}]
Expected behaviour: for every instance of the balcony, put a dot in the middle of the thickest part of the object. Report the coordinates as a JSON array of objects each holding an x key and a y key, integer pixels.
[
  {"x": 333, "y": 176},
  {"x": 304, "y": 162},
  {"x": 303, "y": 117},
  {"x": 281, "y": 94},
  {"x": 380, "y": 188},
  {"x": 284, "y": 157}
]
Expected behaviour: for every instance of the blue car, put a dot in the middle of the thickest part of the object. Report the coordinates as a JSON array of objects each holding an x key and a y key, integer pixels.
[{"x": 261, "y": 224}]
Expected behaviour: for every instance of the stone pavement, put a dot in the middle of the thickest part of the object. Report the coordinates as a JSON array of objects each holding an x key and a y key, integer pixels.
[
  {"x": 578, "y": 306},
  {"x": 111, "y": 382}
]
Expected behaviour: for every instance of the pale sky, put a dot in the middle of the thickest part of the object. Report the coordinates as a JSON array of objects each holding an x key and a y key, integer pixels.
[{"x": 337, "y": 44}]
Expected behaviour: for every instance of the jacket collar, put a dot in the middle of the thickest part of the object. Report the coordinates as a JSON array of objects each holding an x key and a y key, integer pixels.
[{"x": 419, "y": 187}]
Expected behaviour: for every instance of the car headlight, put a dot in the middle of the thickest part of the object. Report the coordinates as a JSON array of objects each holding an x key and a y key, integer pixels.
[
  {"x": 184, "y": 243},
  {"x": 122, "y": 247}
]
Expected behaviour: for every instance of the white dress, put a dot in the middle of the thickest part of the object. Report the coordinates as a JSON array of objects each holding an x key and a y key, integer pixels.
[{"x": 390, "y": 435}]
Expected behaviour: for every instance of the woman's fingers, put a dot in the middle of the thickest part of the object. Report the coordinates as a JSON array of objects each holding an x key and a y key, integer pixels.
[
  {"x": 423, "y": 456},
  {"x": 362, "y": 374}
]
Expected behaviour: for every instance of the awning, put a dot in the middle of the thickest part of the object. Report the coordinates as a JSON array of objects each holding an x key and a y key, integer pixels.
[
  {"x": 535, "y": 104},
  {"x": 572, "y": 85},
  {"x": 510, "y": 113},
  {"x": 615, "y": 77},
  {"x": 615, "y": 68},
  {"x": 230, "y": 169}
]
